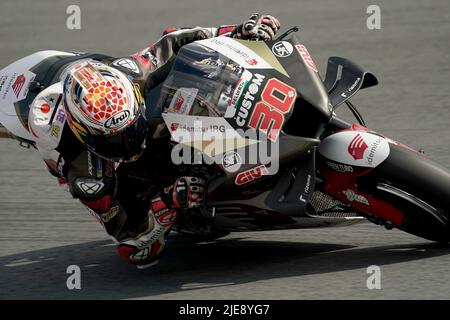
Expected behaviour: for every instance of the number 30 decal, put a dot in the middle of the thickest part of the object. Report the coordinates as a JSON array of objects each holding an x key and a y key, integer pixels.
[{"x": 278, "y": 99}]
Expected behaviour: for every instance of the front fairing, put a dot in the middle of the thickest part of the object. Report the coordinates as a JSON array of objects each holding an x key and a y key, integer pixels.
[{"x": 212, "y": 76}]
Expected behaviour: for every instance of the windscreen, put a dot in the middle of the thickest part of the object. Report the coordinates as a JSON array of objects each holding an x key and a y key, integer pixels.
[{"x": 201, "y": 83}]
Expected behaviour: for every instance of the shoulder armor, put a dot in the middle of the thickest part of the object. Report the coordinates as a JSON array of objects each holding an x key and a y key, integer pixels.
[
  {"x": 47, "y": 117},
  {"x": 126, "y": 65},
  {"x": 91, "y": 177}
]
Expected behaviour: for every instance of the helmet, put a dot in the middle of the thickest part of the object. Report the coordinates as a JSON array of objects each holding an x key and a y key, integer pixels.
[{"x": 105, "y": 111}]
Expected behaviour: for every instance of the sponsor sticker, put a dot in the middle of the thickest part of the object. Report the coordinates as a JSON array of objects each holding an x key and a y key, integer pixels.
[
  {"x": 14, "y": 87},
  {"x": 306, "y": 190},
  {"x": 352, "y": 196},
  {"x": 306, "y": 56},
  {"x": 153, "y": 59},
  {"x": 174, "y": 126},
  {"x": 339, "y": 167},
  {"x": 251, "y": 175},
  {"x": 249, "y": 98},
  {"x": 212, "y": 128},
  {"x": 370, "y": 157},
  {"x": 18, "y": 85},
  {"x": 110, "y": 214},
  {"x": 237, "y": 93},
  {"x": 353, "y": 148},
  {"x": 117, "y": 120},
  {"x": 231, "y": 161},
  {"x": 197, "y": 128},
  {"x": 357, "y": 147},
  {"x": 3, "y": 80},
  {"x": 58, "y": 123},
  {"x": 252, "y": 62},
  {"x": 351, "y": 88},
  {"x": 236, "y": 51},
  {"x": 183, "y": 100},
  {"x": 282, "y": 49},
  {"x": 55, "y": 131}
]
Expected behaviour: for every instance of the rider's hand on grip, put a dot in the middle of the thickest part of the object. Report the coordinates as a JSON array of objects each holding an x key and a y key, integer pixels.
[
  {"x": 258, "y": 27},
  {"x": 186, "y": 193}
]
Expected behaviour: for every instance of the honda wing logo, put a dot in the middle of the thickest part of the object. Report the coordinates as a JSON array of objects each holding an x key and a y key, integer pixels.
[
  {"x": 174, "y": 126},
  {"x": 18, "y": 85},
  {"x": 179, "y": 103},
  {"x": 357, "y": 147}
]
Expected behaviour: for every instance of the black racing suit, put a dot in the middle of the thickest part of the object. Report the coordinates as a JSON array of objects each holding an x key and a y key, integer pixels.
[{"x": 127, "y": 198}]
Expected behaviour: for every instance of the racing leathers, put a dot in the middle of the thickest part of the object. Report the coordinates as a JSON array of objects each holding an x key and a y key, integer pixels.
[{"x": 136, "y": 202}]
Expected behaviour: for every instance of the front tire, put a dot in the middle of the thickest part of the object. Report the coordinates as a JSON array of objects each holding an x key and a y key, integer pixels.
[{"x": 419, "y": 188}]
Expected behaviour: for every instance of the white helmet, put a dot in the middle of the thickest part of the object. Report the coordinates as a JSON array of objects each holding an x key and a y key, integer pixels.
[{"x": 105, "y": 110}]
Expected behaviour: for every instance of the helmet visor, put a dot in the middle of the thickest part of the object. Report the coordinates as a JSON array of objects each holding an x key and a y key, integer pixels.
[{"x": 125, "y": 145}]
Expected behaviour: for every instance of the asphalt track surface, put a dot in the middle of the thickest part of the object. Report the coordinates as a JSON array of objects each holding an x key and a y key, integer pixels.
[{"x": 43, "y": 230}]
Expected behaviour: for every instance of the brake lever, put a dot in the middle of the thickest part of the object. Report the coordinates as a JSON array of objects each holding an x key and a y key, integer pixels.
[{"x": 288, "y": 32}]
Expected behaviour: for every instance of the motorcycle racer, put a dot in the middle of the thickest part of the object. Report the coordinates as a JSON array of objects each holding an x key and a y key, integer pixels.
[{"x": 91, "y": 130}]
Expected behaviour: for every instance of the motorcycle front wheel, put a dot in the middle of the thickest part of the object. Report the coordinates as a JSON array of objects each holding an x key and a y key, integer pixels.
[{"x": 419, "y": 188}]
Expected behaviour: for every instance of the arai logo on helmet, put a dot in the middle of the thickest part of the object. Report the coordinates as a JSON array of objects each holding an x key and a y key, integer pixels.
[{"x": 117, "y": 120}]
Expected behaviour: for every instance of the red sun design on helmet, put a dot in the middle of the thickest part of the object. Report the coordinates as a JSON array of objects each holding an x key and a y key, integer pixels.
[{"x": 104, "y": 100}]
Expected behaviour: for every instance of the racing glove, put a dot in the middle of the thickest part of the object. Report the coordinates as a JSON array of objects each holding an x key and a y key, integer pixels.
[
  {"x": 186, "y": 193},
  {"x": 145, "y": 250},
  {"x": 258, "y": 27}
]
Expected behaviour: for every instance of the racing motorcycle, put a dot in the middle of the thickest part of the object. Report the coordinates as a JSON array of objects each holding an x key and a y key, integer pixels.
[{"x": 328, "y": 172}]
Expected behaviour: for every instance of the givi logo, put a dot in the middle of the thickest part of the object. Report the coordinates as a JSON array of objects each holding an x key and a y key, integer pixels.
[
  {"x": 357, "y": 147},
  {"x": 250, "y": 175}
]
